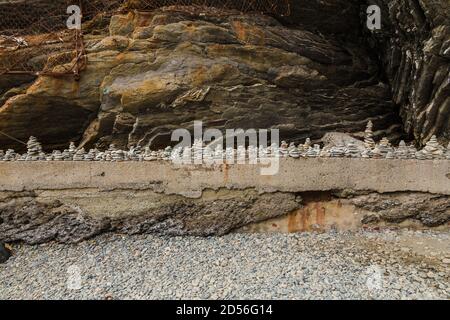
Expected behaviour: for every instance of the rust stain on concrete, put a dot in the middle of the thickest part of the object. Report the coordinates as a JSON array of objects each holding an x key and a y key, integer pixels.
[
  {"x": 314, "y": 216},
  {"x": 225, "y": 170}
]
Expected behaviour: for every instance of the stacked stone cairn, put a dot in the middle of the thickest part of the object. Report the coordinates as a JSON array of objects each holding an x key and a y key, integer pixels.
[
  {"x": 369, "y": 143},
  {"x": 198, "y": 153},
  {"x": 352, "y": 151},
  {"x": 338, "y": 151},
  {"x": 402, "y": 151},
  {"x": 432, "y": 150},
  {"x": 34, "y": 150},
  {"x": 79, "y": 155},
  {"x": 10, "y": 155}
]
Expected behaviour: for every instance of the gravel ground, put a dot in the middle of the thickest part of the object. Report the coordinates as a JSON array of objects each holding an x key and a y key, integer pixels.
[{"x": 362, "y": 265}]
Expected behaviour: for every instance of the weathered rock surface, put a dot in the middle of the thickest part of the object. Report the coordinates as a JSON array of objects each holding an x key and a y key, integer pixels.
[
  {"x": 428, "y": 209},
  {"x": 157, "y": 71},
  {"x": 65, "y": 217},
  {"x": 414, "y": 47},
  {"x": 71, "y": 216},
  {"x": 4, "y": 253}
]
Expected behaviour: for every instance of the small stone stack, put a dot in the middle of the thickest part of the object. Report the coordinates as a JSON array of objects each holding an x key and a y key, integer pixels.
[
  {"x": 72, "y": 149},
  {"x": 10, "y": 155},
  {"x": 313, "y": 152},
  {"x": 420, "y": 155},
  {"x": 307, "y": 144},
  {"x": 34, "y": 150},
  {"x": 117, "y": 156},
  {"x": 294, "y": 153},
  {"x": 402, "y": 151},
  {"x": 284, "y": 149},
  {"x": 384, "y": 147},
  {"x": 301, "y": 150},
  {"x": 49, "y": 157},
  {"x": 369, "y": 143},
  {"x": 291, "y": 146},
  {"x": 57, "y": 156},
  {"x": 90, "y": 156},
  {"x": 338, "y": 150},
  {"x": 433, "y": 150},
  {"x": 79, "y": 155},
  {"x": 376, "y": 153},
  {"x": 352, "y": 150},
  {"x": 153, "y": 156},
  {"x": 66, "y": 155}
]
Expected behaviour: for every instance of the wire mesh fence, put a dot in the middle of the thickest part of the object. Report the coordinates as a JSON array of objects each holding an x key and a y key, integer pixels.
[
  {"x": 34, "y": 37},
  {"x": 278, "y": 7}
]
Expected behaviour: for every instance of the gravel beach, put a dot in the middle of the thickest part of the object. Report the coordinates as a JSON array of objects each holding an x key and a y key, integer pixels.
[{"x": 361, "y": 265}]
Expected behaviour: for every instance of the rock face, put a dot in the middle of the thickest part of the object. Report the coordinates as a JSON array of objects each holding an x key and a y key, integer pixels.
[
  {"x": 4, "y": 253},
  {"x": 72, "y": 215},
  {"x": 414, "y": 48},
  {"x": 430, "y": 210},
  {"x": 157, "y": 71},
  {"x": 306, "y": 74},
  {"x": 34, "y": 218}
]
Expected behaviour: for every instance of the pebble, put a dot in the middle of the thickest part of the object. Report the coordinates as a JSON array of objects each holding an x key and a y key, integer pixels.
[{"x": 333, "y": 265}]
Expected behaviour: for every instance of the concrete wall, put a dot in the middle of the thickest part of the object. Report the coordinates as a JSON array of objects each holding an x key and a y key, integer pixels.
[
  {"x": 74, "y": 201},
  {"x": 294, "y": 176}
]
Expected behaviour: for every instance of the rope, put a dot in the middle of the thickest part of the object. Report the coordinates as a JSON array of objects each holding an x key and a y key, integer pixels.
[{"x": 12, "y": 138}]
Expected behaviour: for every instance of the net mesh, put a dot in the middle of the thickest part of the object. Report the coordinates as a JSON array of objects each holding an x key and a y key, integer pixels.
[
  {"x": 34, "y": 37},
  {"x": 278, "y": 7}
]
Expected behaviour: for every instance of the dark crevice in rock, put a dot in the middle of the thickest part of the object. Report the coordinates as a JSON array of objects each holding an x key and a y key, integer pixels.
[
  {"x": 413, "y": 48},
  {"x": 5, "y": 254}
]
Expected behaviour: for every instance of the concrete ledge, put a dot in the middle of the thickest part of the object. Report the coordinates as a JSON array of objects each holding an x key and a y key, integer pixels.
[
  {"x": 74, "y": 201},
  {"x": 295, "y": 175}
]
